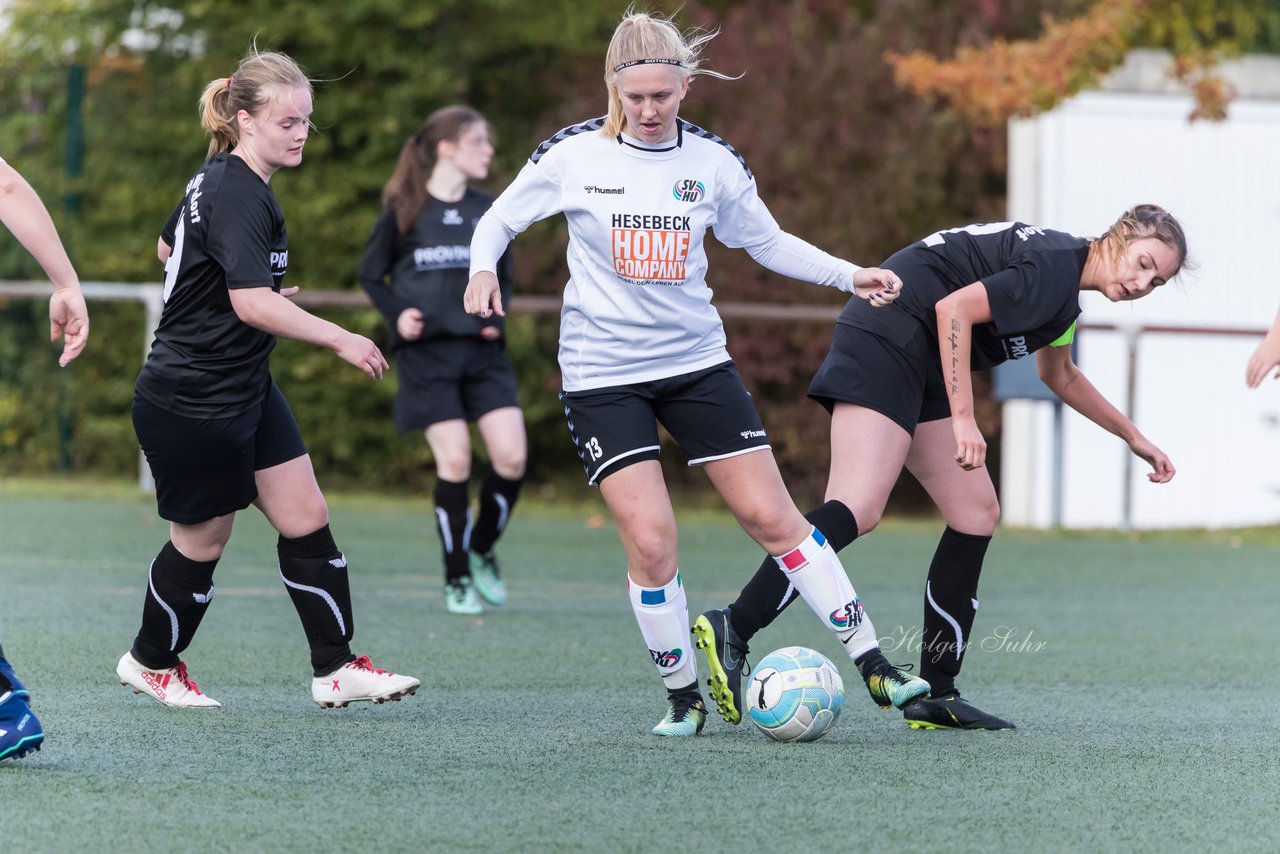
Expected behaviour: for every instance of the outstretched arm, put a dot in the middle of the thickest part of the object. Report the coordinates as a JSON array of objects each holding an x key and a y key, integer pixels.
[
  {"x": 792, "y": 257},
  {"x": 1266, "y": 357},
  {"x": 957, "y": 313},
  {"x": 26, "y": 216},
  {"x": 1064, "y": 379},
  {"x": 272, "y": 312}
]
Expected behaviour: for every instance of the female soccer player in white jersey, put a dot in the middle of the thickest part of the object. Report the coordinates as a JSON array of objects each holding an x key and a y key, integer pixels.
[
  {"x": 452, "y": 368},
  {"x": 28, "y": 219},
  {"x": 215, "y": 429},
  {"x": 640, "y": 342},
  {"x": 898, "y": 386}
]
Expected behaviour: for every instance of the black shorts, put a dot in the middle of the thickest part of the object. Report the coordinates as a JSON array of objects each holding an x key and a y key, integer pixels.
[
  {"x": 452, "y": 378},
  {"x": 708, "y": 412},
  {"x": 902, "y": 383},
  {"x": 204, "y": 467}
]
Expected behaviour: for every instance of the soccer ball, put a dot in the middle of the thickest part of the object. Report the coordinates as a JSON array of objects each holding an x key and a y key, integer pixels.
[{"x": 795, "y": 694}]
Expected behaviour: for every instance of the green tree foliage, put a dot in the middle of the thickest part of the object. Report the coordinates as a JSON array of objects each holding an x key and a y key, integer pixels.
[
  {"x": 844, "y": 157},
  {"x": 380, "y": 66},
  {"x": 990, "y": 82}
]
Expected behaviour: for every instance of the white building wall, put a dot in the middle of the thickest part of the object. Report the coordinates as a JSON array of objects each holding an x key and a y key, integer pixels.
[{"x": 1076, "y": 169}]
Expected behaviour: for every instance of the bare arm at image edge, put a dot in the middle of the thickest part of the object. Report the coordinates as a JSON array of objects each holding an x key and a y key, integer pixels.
[{"x": 25, "y": 215}]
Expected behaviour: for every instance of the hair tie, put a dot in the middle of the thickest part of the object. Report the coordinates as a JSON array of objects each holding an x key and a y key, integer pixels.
[
  {"x": 623, "y": 65},
  {"x": 229, "y": 79}
]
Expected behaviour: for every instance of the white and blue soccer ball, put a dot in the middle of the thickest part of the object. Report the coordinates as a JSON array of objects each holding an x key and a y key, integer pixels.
[{"x": 796, "y": 694}]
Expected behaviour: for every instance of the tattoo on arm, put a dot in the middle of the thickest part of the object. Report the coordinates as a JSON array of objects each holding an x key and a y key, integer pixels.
[{"x": 955, "y": 357}]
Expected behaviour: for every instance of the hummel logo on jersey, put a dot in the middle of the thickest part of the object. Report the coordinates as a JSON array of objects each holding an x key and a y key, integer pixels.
[
  {"x": 204, "y": 598},
  {"x": 689, "y": 190},
  {"x": 608, "y": 191},
  {"x": 340, "y": 562},
  {"x": 752, "y": 434},
  {"x": 669, "y": 659},
  {"x": 452, "y": 217}
]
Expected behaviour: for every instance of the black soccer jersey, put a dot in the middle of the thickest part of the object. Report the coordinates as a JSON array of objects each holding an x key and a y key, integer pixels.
[
  {"x": 428, "y": 267},
  {"x": 1032, "y": 277},
  {"x": 228, "y": 232}
]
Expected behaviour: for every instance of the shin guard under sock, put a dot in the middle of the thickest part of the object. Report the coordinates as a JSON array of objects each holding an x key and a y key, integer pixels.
[
  {"x": 950, "y": 605},
  {"x": 315, "y": 574},
  {"x": 663, "y": 616},
  {"x": 453, "y": 522},
  {"x": 818, "y": 575},
  {"x": 497, "y": 499},
  {"x": 179, "y": 591},
  {"x": 769, "y": 591}
]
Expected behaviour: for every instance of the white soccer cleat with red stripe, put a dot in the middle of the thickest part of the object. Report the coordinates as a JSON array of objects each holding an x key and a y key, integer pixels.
[
  {"x": 171, "y": 686},
  {"x": 360, "y": 680}
]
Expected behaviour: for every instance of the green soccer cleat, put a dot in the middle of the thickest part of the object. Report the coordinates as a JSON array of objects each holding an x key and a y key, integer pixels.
[
  {"x": 489, "y": 584},
  {"x": 950, "y": 711},
  {"x": 726, "y": 655},
  {"x": 460, "y": 598},
  {"x": 686, "y": 714},
  {"x": 890, "y": 686}
]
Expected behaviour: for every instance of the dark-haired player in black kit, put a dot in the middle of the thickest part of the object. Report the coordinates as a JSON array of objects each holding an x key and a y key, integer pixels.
[
  {"x": 216, "y": 431},
  {"x": 898, "y": 382},
  {"x": 452, "y": 368}
]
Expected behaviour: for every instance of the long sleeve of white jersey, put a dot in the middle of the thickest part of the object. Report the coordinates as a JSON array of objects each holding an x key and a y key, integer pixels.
[
  {"x": 534, "y": 195},
  {"x": 488, "y": 242},
  {"x": 743, "y": 221},
  {"x": 788, "y": 255}
]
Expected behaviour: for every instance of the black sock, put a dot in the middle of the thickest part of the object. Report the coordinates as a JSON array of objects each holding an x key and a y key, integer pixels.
[
  {"x": 951, "y": 592},
  {"x": 497, "y": 499},
  {"x": 315, "y": 574},
  {"x": 769, "y": 591},
  {"x": 869, "y": 660},
  {"x": 453, "y": 521},
  {"x": 179, "y": 591}
]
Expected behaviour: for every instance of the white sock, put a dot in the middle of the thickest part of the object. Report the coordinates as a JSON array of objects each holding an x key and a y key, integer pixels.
[
  {"x": 815, "y": 570},
  {"x": 663, "y": 615}
]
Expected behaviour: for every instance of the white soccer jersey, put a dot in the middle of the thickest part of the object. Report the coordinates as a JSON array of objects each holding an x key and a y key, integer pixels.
[{"x": 637, "y": 306}]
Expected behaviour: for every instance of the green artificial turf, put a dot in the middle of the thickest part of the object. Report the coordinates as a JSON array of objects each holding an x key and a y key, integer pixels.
[{"x": 1141, "y": 671}]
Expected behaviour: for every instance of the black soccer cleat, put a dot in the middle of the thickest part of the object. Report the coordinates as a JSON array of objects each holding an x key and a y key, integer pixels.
[
  {"x": 950, "y": 711},
  {"x": 726, "y": 655}
]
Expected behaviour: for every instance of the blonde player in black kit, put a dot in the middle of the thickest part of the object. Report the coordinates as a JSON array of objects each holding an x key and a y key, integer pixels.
[
  {"x": 898, "y": 385},
  {"x": 452, "y": 368},
  {"x": 215, "y": 429},
  {"x": 642, "y": 344}
]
